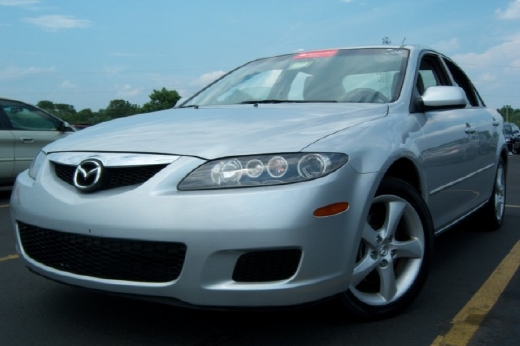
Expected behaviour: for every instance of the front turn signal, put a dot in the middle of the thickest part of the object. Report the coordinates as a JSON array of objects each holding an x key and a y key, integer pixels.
[{"x": 331, "y": 209}]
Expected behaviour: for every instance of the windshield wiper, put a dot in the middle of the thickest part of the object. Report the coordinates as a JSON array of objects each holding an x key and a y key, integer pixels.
[{"x": 190, "y": 106}]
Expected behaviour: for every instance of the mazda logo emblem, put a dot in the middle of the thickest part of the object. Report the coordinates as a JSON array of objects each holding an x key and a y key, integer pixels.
[{"x": 87, "y": 176}]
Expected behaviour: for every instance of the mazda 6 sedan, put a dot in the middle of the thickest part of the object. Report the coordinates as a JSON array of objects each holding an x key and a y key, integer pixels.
[{"x": 291, "y": 179}]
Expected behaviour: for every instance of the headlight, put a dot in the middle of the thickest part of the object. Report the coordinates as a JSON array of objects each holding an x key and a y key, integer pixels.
[
  {"x": 262, "y": 170},
  {"x": 36, "y": 164}
]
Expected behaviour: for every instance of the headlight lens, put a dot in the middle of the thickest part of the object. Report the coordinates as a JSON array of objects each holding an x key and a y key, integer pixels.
[
  {"x": 36, "y": 164},
  {"x": 262, "y": 170}
]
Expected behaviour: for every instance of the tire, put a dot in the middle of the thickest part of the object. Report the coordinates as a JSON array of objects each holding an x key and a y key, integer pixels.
[
  {"x": 492, "y": 213},
  {"x": 394, "y": 253}
]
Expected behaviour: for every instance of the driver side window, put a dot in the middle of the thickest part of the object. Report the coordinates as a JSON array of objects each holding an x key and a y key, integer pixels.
[
  {"x": 22, "y": 117},
  {"x": 430, "y": 74}
]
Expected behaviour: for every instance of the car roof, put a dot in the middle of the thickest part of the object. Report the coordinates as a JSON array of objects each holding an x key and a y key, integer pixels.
[
  {"x": 10, "y": 99},
  {"x": 414, "y": 49}
]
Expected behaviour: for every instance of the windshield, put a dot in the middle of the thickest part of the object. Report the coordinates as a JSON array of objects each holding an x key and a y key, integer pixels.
[
  {"x": 508, "y": 128},
  {"x": 371, "y": 75}
]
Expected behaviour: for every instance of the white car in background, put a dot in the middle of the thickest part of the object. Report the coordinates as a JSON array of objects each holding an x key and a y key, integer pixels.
[
  {"x": 24, "y": 131},
  {"x": 291, "y": 179}
]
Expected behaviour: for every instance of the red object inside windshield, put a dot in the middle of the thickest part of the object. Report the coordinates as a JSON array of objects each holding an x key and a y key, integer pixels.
[{"x": 317, "y": 54}]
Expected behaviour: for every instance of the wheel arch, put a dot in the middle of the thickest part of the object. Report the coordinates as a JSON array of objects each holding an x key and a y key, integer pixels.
[{"x": 407, "y": 171}]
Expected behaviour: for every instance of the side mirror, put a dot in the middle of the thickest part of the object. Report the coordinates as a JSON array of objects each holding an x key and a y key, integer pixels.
[
  {"x": 438, "y": 97},
  {"x": 65, "y": 127}
]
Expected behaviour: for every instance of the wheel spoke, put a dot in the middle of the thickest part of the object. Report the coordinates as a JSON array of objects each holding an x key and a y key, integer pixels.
[
  {"x": 394, "y": 214},
  {"x": 388, "y": 286},
  {"x": 370, "y": 236},
  {"x": 408, "y": 249},
  {"x": 499, "y": 193},
  {"x": 362, "y": 269},
  {"x": 499, "y": 205}
]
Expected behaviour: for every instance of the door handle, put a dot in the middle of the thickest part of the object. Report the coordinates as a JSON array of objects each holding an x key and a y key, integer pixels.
[
  {"x": 26, "y": 139},
  {"x": 469, "y": 129}
]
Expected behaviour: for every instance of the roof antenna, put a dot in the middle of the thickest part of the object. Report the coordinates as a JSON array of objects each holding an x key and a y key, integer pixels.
[
  {"x": 386, "y": 40},
  {"x": 402, "y": 43}
]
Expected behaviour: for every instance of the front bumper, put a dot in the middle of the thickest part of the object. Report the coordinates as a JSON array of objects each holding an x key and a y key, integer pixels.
[{"x": 235, "y": 240}]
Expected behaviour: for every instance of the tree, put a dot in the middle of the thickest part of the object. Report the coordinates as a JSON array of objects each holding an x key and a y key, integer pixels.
[
  {"x": 161, "y": 99},
  {"x": 98, "y": 117},
  {"x": 509, "y": 114},
  {"x": 64, "y": 108},
  {"x": 61, "y": 110},
  {"x": 85, "y": 116},
  {"x": 121, "y": 108},
  {"x": 46, "y": 105}
]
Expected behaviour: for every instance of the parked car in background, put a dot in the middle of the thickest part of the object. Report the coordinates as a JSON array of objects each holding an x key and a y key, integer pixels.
[
  {"x": 512, "y": 135},
  {"x": 291, "y": 179},
  {"x": 80, "y": 126},
  {"x": 24, "y": 131}
]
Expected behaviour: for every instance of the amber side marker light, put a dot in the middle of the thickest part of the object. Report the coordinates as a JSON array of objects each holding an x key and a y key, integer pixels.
[{"x": 331, "y": 209}]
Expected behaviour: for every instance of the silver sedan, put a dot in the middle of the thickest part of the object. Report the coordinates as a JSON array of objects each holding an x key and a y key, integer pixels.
[
  {"x": 24, "y": 131},
  {"x": 291, "y": 179}
]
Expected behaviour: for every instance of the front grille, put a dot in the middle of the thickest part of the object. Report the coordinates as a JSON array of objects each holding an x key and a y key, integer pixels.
[
  {"x": 265, "y": 266},
  {"x": 106, "y": 258},
  {"x": 115, "y": 176}
]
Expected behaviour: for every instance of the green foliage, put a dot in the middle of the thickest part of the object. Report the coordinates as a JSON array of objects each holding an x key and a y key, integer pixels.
[
  {"x": 61, "y": 110},
  {"x": 510, "y": 115},
  {"x": 47, "y": 105},
  {"x": 159, "y": 100},
  {"x": 121, "y": 108}
]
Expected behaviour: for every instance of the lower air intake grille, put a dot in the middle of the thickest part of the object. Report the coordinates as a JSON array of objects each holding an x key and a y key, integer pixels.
[
  {"x": 106, "y": 258},
  {"x": 265, "y": 266}
]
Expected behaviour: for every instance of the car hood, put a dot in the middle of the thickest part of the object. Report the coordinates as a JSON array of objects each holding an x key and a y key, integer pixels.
[{"x": 221, "y": 131}]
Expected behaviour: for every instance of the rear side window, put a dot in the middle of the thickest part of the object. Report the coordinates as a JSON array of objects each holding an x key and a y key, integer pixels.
[{"x": 464, "y": 82}]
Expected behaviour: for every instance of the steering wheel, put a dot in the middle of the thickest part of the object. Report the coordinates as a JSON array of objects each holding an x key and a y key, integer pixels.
[{"x": 365, "y": 95}]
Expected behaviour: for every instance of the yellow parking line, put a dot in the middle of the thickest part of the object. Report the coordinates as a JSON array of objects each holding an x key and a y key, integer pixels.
[
  {"x": 468, "y": 320},
  {"x": 9, "y": 257}
]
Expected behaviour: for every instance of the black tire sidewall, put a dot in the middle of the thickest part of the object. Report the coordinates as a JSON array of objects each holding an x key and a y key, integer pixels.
[{"x": 488, "y": 212}]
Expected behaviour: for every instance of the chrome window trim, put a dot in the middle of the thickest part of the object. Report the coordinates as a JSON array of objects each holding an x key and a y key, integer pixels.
[
  {"x": 455, "y": 182},
  {"x": 112, "y": 159}
]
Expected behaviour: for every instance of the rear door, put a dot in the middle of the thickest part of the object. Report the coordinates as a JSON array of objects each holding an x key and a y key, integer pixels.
[{"x": 485, "y": 125}]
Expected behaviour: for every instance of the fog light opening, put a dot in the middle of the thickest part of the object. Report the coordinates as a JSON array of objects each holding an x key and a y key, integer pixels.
[{"x": 331, "y": 209}]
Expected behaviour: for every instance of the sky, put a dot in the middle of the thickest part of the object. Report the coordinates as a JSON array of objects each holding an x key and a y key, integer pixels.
[{"x": 87, "y": 53}]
